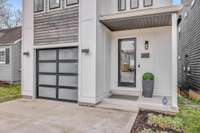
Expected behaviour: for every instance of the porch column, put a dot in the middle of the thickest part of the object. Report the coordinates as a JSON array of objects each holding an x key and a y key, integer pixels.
[{"x": 174, "y": 61}]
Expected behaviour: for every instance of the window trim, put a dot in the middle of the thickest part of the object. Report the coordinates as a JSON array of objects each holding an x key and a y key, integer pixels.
[
  {"x": 126, "y": 84},
  {"x": 43, "y": 2},
  {"x": 147, "y": 5},
  {"x": 72, "y": 3},
  {"x": 3, "y": 50},
  {"x": 134, "y": 7},
  {"x": 54, "y": 7},
  {"x": 119, "y": 5}
]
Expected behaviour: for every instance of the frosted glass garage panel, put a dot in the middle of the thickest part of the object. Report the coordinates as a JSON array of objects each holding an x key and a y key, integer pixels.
[
  {"x": 47, "y": 55},
  {"x": 47, "y": 79},
  {"x": 66, "y": 54},
  {"x": 68, "y": 94},
  {"x": 68, "y": 68},
  {"x": 47, "y": 67},
  {"x": 71, "y": 81},
  {"x": 47, "y": 92}
]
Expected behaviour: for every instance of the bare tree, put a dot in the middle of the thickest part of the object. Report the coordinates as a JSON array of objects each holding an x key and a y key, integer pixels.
[{"x": 9, "y": 17}]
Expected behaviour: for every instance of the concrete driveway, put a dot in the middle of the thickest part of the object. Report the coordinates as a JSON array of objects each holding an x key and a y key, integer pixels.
[{"x": 44, "y": 116}]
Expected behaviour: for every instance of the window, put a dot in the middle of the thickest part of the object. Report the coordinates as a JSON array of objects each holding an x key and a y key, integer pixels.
[
  {"x": 71, "y": 2},
  {"x": 38, "y": 5},
  {"x": 4, "y": 56},
  {"x": 134, "y": 4},
  {"x": 127, "y": 62},
  {"x": 54, "y": 4},
  {"x": 148, "y": 3},
  {"x": 121, "y": 5},
  {"x": 193, "y": 3}
]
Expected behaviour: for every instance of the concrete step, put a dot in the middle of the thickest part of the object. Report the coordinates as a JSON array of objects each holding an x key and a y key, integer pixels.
[
  {"x": 117, "y": 104},
  {"x": 126, "y": 92}
]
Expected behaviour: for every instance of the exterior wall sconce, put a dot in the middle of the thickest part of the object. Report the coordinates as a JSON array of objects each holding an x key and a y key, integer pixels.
[
  {"x": 26, "y": 53},
  {"x": 86, "y": 51},
  {"x": 146, "y": 45}
]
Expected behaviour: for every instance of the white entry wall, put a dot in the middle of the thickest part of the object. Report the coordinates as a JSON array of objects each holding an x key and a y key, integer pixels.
[{"x": 159, "y": 62}]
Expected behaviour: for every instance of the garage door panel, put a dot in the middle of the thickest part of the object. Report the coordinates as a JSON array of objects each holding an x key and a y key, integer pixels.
[
  {"x": 47, "y": 67},
  {"x": 47, "y": 92},
  {"x": 47, "y": 55},
  {"x": 47, "y": 80},
  {"x": 68, "y": 94},
  {"x": 57, "y": 74},
  {"x": 71, "y": 81},
  {"x": 68, "y": 54},
  {"x": 68, "y": 68}
]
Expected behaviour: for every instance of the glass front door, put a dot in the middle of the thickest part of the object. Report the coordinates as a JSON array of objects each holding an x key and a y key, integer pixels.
[{"x": 127, "y": 62}]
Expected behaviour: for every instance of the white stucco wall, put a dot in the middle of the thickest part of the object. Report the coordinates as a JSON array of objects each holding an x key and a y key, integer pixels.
[
  {"x": 103, "y": 57},
  {"x": 87, "y": 65},
  {"x": 28, "y": 68},
  {"x": 159, "y": 62}
]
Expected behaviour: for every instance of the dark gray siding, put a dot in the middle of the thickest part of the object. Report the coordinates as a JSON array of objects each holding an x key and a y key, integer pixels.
[
  {"x": 58, "y": 26},
  {"x": 189, "y": 47}
]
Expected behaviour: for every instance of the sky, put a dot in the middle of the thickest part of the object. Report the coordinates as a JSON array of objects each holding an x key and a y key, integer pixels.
[{"x": 18, "y": 3}]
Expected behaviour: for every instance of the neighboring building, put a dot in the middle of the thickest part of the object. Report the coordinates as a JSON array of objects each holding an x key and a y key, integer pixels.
[
  {"x": 189, "y": 46},
  {"x": 87, "y": 50},
  {"x": 10, "y": 55}
]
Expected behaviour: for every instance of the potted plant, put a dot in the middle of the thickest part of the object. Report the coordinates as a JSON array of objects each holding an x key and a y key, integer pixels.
[{"x": 148, "y": 84}]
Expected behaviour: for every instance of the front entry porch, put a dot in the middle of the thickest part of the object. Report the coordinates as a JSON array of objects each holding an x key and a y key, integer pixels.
[
  {"x": 140, "y": 43},
  {"x": 137, "y": 103}
]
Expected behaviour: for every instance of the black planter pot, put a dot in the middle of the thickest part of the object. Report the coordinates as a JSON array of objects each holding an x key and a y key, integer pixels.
[{"x": 148, "y": 86}]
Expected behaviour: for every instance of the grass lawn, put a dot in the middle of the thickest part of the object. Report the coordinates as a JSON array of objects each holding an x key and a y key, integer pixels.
[
  {"x": 186, "y": 121},
  {"x": 9, "y": 92},
  {"x": 190, "y": 115}
]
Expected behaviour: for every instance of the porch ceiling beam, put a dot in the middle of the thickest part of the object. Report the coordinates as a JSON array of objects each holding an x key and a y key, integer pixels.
[{"x": 145, "y": 18}]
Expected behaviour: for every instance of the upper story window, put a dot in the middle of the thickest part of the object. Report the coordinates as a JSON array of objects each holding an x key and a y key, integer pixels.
[
  {"x": 71, "y": 2},
  {"x": 134, "y": 4},
  {"x": 4, "y": 56},
  {"x": 121, "y": 5},
  {"x": 148, "y": 3},
  {"x": 54, "y": 4},
  {"x": 38, "y": 5}
]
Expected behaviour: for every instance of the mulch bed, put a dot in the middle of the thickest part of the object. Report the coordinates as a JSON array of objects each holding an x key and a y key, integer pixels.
[{"x": 141, "y": 123}]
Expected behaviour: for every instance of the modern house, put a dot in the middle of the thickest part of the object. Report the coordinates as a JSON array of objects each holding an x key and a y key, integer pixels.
[
  {"x": 189, "y": 47},
  {"x": 10, "y": 55},
  {"x": 89, "y": 50}
]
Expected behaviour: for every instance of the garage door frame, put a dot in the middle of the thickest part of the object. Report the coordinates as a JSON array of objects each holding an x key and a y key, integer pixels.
[{"x": 57, "y": 74}]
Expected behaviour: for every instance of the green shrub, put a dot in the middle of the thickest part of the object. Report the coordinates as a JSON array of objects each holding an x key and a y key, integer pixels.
[
  {"x": 186, "y": 120},
  {"x": 166, "y": 122},
  {"x": 148, "y": 76}
]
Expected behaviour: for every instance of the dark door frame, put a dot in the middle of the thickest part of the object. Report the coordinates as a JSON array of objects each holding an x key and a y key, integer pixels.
[
  {"x": 126, "y": 84},
  {"x": 57, "y": 61}
]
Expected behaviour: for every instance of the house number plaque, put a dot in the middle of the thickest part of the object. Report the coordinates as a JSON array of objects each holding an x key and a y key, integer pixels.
[{"x": 145, "y": 55}]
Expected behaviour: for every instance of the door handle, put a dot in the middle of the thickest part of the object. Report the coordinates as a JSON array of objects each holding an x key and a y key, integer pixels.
[{"x": 139, "y": 65}]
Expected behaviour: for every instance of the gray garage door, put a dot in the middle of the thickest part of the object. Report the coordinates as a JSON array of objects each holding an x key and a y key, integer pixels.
[{"x": 57, "y": 74}]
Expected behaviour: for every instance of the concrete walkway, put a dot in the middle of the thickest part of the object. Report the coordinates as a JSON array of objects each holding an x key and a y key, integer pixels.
[{"x": 44, "y": 116}]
